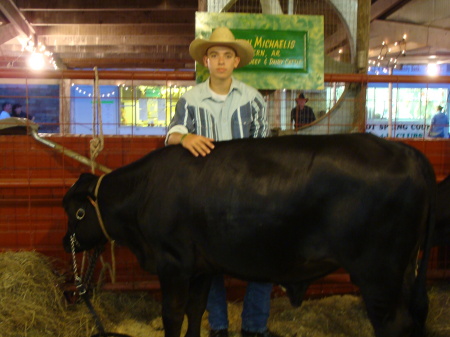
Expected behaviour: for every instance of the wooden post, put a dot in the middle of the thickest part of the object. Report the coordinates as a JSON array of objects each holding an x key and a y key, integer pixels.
[
  {"x": 362, "y": 50},
  {"x": 363, "y": 35},
  {"x": 202, "y": 5}
]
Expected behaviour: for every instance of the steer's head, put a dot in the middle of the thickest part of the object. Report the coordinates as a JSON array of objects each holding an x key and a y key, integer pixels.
[{"x": 83, "y": 221}]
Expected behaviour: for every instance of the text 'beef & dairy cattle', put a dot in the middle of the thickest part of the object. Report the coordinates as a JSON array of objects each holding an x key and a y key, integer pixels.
[{"x": 286, "y": 210}]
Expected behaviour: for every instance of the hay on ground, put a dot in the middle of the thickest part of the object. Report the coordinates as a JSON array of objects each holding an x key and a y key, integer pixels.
[
  {"x": 33, "y": 305},
  {"x": 32, "y": 302}
]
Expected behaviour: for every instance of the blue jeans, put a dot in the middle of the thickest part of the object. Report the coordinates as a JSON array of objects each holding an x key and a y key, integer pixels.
[{"x": 255, "y": 312}]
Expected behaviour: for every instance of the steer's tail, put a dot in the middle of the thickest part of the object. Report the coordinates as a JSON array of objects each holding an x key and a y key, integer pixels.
[{"x": 419, "y": 297}]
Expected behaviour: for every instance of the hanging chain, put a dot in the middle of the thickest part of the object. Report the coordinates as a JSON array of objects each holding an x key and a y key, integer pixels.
[{"x": 78, "y": 281}]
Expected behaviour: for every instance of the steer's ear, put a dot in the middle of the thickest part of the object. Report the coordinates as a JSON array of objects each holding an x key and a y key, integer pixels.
[
  {"x": 89, "y": 182},
  {"x": 83, "y": 187}
]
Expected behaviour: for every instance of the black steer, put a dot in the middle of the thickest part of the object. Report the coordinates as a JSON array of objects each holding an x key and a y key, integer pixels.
[{"x": 286, "y": 210}]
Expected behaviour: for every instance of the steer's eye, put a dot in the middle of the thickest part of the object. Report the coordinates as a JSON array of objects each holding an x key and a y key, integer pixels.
[{"x": 80, "y": 214}]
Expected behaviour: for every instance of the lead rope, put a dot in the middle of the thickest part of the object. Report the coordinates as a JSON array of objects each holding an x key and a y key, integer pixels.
[
  {"x": 82, "y": 289},
  {"x": 97, "y": 141},
  {"x": 112, "y": 270},
  {"x": 96, "y": 146}
]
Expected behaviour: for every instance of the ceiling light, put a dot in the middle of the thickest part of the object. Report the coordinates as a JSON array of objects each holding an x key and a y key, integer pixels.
[
  {"x": 36, "y": 61},
  {"x": 432, "y": 69}
]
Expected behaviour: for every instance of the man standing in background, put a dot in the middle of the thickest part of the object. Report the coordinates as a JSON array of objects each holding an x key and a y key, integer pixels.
[
  {"x": 302, "y": 114},
  {"x": 439, "y": 124}
]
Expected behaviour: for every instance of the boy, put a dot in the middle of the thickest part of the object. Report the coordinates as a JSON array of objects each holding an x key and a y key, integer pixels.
[{"x": 223, "y": 108}]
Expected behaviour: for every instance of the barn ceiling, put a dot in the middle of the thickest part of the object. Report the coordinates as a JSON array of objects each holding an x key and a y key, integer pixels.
[{"x": 155, "y": 34}]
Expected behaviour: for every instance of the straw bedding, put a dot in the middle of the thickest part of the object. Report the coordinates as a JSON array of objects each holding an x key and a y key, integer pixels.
[{"x": 33, "y": 305}]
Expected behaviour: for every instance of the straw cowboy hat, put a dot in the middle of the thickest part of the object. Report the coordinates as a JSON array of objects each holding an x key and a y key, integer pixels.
[{"x": 222, "y": 36}]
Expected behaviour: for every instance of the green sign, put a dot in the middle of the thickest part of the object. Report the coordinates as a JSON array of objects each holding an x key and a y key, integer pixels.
[
  {"x": 289, "y": 51},
  {"x": 103, "y": 102},
  {"x": 153, "y": 92},
  {"x": 276, "y": 50}
]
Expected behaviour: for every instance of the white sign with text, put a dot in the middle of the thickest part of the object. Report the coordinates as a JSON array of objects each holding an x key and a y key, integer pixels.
[{"x": 407, "y": 129}]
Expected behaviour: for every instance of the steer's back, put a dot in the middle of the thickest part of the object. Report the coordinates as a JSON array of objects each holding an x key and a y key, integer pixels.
[{"x": 293, "y": 207}]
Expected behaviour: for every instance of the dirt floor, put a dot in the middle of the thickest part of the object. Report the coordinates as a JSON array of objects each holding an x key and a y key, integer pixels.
[{"x": 33, "y": 305}]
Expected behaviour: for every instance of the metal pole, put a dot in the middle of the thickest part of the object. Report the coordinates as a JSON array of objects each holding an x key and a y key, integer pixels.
[
  {"x": 65, "y": 151},
  {"x": 390, "y": 106}
]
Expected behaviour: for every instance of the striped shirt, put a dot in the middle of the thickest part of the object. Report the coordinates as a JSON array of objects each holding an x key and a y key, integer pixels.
[{"x": 241, "y": 115}]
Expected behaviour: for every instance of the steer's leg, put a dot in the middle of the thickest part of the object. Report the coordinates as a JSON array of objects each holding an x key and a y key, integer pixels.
[
  {"x": 387, "y": 308},
  {"x": 175, "y": 289},
  {"x": 198, "y": 296},
  {"x": 415, "y": 292},
  {"x": 397, "y": 304}
]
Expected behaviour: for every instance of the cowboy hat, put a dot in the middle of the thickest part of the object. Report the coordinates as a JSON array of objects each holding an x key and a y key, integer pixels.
[
  {"x": 302, "y": 96},
  {"x": 222, "y": 36}
]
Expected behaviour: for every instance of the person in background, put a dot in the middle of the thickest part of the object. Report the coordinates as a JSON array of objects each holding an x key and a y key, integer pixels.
[
  {"x": 17, "y": 112},
  {"x": 439, "y": 124},
  {"x": 219, "y": 109},
  {"x": 301, "y": 114},
  {"x": 6, "y": 110}
]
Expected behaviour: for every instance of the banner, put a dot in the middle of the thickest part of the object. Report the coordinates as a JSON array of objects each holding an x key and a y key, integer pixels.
[
  {"x": 406, "y": 129},
  {"x": 288, "y": 48}
]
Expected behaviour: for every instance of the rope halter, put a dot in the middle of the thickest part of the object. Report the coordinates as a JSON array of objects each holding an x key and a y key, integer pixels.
[{"x": 97, "y": 209}]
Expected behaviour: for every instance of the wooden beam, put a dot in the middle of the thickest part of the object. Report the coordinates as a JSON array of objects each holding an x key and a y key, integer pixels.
[
  {"x": 202, "y": 5},
  {"x": 362, "y": 38},
  {"x": 82, "y": 16},
  {"x": 7, "y": 32},
  {"x": 137, "y": 50},
  {"x": 271, "y": 7},
  {"x": 89, "y": 4},
  {"x": 382, "y": 8},
  {"x": 117, "y": 30},
  {"x": 12, "y": 13},
  {"x": 110, "y": 40}
]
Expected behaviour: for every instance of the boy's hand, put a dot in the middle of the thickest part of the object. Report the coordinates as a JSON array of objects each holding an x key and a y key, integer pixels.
[{"x": 197, "y": 145}]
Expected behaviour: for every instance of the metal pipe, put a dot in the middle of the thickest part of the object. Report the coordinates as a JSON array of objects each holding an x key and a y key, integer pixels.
[
  {"x": 32, "y": 129},
  {"x": 103, "y": 75},
  {"x": 390, "y": 106},
  {"x": 67, "y": 152},
  {"x": 190, "y": 76},
  {"x": 354, "y": 78}
]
